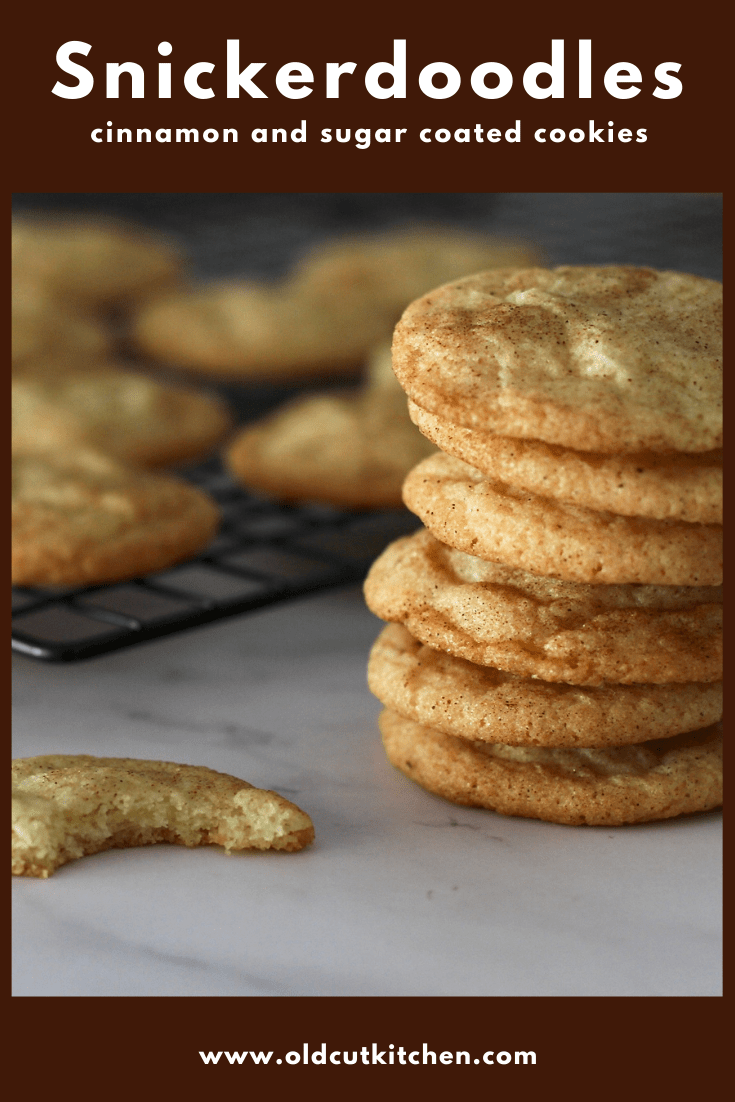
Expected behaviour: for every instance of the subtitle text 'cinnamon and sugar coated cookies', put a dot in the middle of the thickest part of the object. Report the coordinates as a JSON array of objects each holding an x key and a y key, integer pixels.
[
  {"x": 597, "y": 787},
  {"x": 669, "y": 486},
  {"x": 350, "y": 449},
  {"x": 556, "y": 630},
  {"x": 129, "y": 415},
  {"x": 95, "y": 262},
  {"x": 490, "y": 519},
  {"x": 80, "y": 517},
  {"x": 607, "y": 359},
  {"x": 480, "y": 703},
  {"x": 66, "y": 806}
]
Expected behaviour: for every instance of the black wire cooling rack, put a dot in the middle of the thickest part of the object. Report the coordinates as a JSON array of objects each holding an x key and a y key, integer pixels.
[{"x": 264, "y": 553}]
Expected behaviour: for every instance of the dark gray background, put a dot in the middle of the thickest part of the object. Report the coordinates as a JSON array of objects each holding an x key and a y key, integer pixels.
[{"x": 260, "y": 234}]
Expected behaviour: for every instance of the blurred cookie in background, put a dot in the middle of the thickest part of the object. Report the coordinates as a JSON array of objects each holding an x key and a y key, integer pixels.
[
  {"x": 123, "y": 413},
  {"x": 249, "y": 331},
  {"x": 342, "y": 298},
  {"x": 350, "y": 449},
  {"x": 48, "y": 331},
  {"x": 95, "y": 262},
  {"x": 389, "y": 269}
]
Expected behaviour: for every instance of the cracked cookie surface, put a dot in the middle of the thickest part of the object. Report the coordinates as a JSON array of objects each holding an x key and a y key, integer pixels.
[{"x": 610, "y": 359}]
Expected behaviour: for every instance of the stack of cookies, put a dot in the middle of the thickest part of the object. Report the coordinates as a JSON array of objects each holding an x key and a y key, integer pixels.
[{"x": 554, "y": 645}]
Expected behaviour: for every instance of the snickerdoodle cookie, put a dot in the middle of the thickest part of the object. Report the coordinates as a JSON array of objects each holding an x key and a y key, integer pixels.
[
  {"x": 95, "y": 262},
  {"x": 246, "y": 330},
  {"x": 51, "y": 333},
  {"x": 612, "y": 360},
  {"x": 350, "y": 449},
  {"x": 672, "y": 486},
  {"x": 501, "y": 616},
  {"x": 129, "y": 415},
  {"x": 493, "y": 520},
  {"x": 659, "y": 779},
  {"x": 390, "y": 268},
  {"x": 81, "y": 518},
  {"x": 481, "y": 703},
  {"x": 68, "y": 805}
]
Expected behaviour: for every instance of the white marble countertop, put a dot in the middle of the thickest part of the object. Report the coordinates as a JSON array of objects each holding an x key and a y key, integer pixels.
[{"x": 401, "y": 894}]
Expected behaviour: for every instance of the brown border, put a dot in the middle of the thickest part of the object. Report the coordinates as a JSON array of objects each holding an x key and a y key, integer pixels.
[{"x": 620, "y": 1045}]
